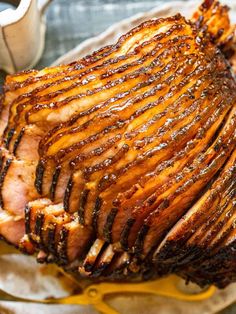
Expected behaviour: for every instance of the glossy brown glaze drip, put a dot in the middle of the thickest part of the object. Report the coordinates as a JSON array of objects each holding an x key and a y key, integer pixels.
[
  {"x": 17, "y": 142},
  {"x": 38, "y": 225},
  {"x": 39, "y": 177},
  {"x": 108, "y": 226},
  {"x": 82, "y": 202},
  {"x": 2, "y": 177},
  {"x": 54, "y": 182}
]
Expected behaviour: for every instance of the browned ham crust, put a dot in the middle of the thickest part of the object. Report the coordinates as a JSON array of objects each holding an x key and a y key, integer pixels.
[{"x": 122, "y": 165}]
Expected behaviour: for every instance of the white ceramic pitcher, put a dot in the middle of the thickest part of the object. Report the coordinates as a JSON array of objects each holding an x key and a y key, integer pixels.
[{"x": 22, "y": 34}]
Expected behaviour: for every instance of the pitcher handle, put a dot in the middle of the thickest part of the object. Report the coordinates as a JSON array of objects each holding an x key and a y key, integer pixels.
[{"x": 43, "y": 4}]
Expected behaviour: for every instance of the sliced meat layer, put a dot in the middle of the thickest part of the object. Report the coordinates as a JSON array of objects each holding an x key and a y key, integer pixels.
[
  {"x": 122, "y": 165},
  {"x": 206, "y": 231}
]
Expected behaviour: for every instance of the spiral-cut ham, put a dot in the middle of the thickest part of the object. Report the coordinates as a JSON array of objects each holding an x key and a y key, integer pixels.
[{"x": 122, "y": 164}]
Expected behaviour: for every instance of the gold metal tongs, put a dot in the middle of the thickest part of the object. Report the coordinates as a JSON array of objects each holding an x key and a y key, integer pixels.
[{"x": 94, "y": 294}]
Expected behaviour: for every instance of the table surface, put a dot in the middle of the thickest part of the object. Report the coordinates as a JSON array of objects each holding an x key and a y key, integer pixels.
[
  {"x": 82, "y": 19},
  {"x": 69, "y": 22}
]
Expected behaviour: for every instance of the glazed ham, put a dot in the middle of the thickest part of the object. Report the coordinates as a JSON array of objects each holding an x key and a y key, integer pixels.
[{"x": 123, "y": 164}]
